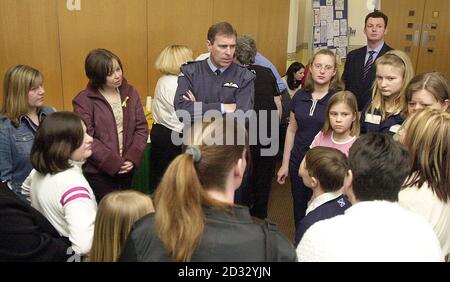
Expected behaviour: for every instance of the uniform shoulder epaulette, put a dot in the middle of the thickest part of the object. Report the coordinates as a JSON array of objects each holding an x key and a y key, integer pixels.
[{"x": 190, "y": 62}]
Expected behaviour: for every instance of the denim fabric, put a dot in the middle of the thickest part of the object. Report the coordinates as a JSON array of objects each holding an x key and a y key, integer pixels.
[{"x": 15, "y": 148}]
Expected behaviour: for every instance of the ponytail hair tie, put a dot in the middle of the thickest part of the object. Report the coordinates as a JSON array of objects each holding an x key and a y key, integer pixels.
[{"x": 194, "y": 151}]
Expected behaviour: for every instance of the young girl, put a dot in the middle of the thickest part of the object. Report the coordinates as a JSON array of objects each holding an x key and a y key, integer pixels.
[
  {"x": 385, "y": 114},
  {"x": 306, "y": 120},
  {"x": 428, "y": 90},
  {"x": 58, "y": 188},
  {"x": 117, "y": 212},
  {"x": 341, "y": 126},
  {"x": 21, "y": 113},
  {"x": 196, "y": 219},
  {"x": 426, "y": 191},
  {"x": 115, "y": 118}
]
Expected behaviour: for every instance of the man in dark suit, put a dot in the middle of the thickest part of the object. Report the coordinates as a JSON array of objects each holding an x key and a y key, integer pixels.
[{"x": 359, "y": 70}]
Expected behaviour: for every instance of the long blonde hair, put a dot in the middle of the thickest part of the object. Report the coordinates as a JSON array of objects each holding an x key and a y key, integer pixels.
[
  {"x": 18, "y": 81},
  {"x": 182, "y": 193},
  {"x": 116, "y": 214},
  {"x": 172, "y": 57},
  {"x": 335, "y": 83},
  {"x": 428, "y": 140},
  {"x": 397, "y": 59}
]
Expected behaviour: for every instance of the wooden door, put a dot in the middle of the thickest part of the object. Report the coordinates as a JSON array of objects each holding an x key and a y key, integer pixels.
[
  {"x": 434, "y": 52},
  {"x": 404, "y": 25},
  {"x": 421, "y": 28},
  {"x": 117, "y": 25},
  {"x": 266, "y": 21},
  {"x": 29, "y": 35}
]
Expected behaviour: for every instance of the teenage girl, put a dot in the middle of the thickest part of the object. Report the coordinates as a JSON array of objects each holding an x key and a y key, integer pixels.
[
  {"x": 57, "y": 186},
  {"x": 306, "y": 120},
  {"x": 429, "y": 90},
  {"x": 385, "y": 114},
  {"x": 341, "y": 126}
]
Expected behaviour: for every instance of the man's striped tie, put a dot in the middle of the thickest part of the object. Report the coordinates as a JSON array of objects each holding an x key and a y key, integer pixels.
[{"x": 368, "y": 64}]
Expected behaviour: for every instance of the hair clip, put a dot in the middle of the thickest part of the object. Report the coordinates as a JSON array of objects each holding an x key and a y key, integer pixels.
[
  {"x": 194, "y": 151},
  {"x": 124, "y": 103}
]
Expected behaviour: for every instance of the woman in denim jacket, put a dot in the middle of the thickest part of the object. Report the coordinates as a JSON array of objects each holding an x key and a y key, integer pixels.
[{"x": 21, "y": 113}]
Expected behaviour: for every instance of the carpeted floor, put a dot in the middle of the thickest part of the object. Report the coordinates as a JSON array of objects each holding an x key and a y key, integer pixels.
[{"x": 280, "y": 209}]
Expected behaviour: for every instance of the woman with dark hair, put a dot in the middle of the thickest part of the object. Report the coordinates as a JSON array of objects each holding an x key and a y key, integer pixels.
[
  {"x": 293, "y": 77},
  {"x": 114, "y": 117},
  {"x": 56, "y": 184}
]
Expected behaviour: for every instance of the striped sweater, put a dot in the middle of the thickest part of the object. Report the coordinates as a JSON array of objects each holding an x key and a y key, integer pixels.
[{"x": 67, "y": 201}]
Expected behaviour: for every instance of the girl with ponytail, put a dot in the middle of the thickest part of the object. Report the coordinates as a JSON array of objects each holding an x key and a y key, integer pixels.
[{"x": 195, "y": 218}]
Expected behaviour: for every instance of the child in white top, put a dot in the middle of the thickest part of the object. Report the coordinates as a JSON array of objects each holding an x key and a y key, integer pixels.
[
  {"x": 341, "y": 126},
  {"x": 57, "y": 186}
]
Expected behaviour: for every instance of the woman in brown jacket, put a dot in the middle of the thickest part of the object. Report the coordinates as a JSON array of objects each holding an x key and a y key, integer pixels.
[{"x": 113, "y": 113}]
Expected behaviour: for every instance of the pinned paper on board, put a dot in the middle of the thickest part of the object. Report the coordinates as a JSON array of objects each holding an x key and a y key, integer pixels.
[{"x": 330, "y": 26}]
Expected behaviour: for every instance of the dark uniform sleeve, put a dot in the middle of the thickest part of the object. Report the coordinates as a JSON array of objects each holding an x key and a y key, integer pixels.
[
  {"x": 183, "y": 106},
  {"x": 184, "y": 84}
]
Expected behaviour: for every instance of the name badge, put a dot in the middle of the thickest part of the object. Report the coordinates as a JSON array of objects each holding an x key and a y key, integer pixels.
[
  {"x": 375, "y": 119},
  {"x": 395, "y": 128}
]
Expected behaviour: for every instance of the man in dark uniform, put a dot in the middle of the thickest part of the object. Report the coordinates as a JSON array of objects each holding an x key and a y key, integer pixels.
[
  {"x": 359, "y": 70},
  {"x": 216, "y": 83}
]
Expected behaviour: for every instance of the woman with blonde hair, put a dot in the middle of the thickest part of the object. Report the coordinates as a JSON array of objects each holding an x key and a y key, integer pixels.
[
  {"x": 196, "y": 219},
  {"x": 165, "y": 119},
  {"x": 386, "y": 112},
  {"x": 20, "y": 116},
  {"x": 427, "y": 188},
  {"x": 116, "y": 214}
]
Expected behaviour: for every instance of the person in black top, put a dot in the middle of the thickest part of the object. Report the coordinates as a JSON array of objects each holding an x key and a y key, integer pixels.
[
  {"x": 264, "y": 130},
  {"x": 25, "y": 234}
]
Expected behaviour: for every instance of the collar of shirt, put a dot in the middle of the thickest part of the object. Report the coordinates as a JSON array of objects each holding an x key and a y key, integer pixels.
[
  {"x": 213, "y": 67},
  {"x": 322, "y": 199},
  {"x": 375, "y": 55},
  {"x": 26, "y": 119}
]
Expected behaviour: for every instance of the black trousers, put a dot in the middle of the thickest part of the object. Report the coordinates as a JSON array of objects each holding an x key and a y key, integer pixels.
[
  {"x": 260, "y": 182},
  {"x": 163, "y": 151},
  {"x": 102, "y": 183}
]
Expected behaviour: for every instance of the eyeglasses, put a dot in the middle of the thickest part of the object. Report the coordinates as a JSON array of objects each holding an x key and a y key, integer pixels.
[{"x": 320, "y": 67}]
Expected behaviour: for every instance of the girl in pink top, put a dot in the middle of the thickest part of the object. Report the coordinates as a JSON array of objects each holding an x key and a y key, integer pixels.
[{"x": 341, "y": 126}]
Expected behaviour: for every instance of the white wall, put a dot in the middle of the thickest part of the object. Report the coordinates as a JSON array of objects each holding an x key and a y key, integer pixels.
[{"x": 357, "y": 11}]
